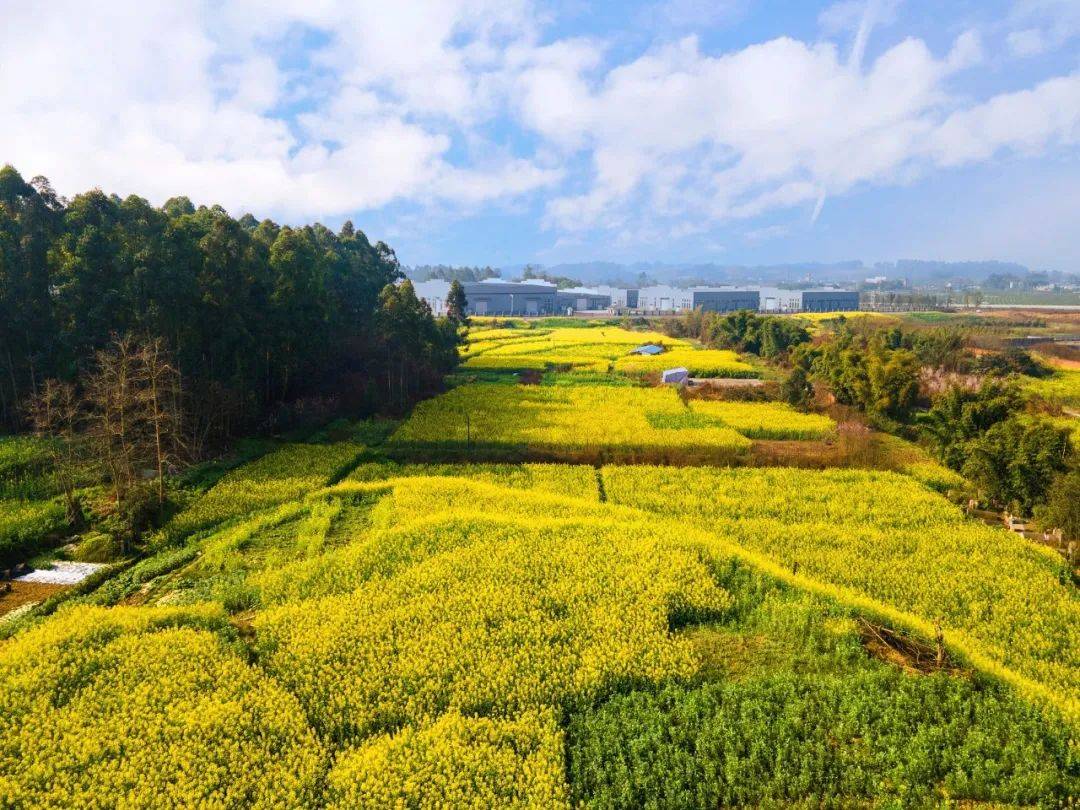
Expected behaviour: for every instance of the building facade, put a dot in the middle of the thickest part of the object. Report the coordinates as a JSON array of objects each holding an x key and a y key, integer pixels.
[
  {"x": 827, "y": 300},
  {"x": 777, "y": 300},
  {"x": 621, "y": 297},
  {"x": 724, "y": 299},
  {"x": 535, "y": 297},
  {"x": 661, "y": 299},
  {"x": 582, "y": 299},
  {"x": 434, "y": 293},
  {"x": 497, "y": 297}
]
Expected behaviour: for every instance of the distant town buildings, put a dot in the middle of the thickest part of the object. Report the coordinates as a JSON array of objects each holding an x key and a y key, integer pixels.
[{"x": 537, "y": 297}]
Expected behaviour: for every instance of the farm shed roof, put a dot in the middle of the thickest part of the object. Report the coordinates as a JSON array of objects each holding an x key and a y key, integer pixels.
[
  {"x": 675, "y": 375},
  {"x": 648, "y": 348}
]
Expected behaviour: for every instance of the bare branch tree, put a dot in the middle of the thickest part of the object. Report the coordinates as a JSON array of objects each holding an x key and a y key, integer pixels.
[{"x": 58, "y": 416}]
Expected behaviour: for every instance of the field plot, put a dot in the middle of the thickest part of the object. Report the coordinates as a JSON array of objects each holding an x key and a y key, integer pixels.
[
  {"x": 280, "y": 476},
  {"x": 99, "y": 703},
  {"x": 882, "y": 537},
  {"x": 29, "y": 511},
  {"x": 573, "y": 419},
  {"x": 25, "y": 524},
  {"x": 485, "y": 638},
  {"x": 1063, "y": 387},
  {"x": 699, "y": 362},
  {"x": 767, "y": 420},
  {"x": 590, "y": 348},
  {"x": 577, "y": 481}
]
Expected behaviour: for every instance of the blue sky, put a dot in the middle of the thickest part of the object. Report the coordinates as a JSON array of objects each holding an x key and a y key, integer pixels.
[{"x": 505, "y": 131}]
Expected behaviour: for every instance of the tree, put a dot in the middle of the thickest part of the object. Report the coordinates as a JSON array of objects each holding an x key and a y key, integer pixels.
[
  {"x": 1014, "y": 462},
  {"x": 1062, "y": 508},
  {"x": 894, "y": 383},
  {"x": 158, "y": 388},
  {"x": 796, "y": 388},
  {"x": 254, "y": 316},
  {"x": 960, "y": 415},
  {"x": 456, "y": 303},
  {"x": 58, "y": 418}
]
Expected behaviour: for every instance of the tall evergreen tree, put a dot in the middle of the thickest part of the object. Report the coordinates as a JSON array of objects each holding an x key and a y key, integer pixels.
[{"x": 456, "y": 303}]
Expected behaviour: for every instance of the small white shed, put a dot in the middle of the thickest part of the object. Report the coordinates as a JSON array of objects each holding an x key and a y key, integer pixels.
[{"x": 676, "y": 375}]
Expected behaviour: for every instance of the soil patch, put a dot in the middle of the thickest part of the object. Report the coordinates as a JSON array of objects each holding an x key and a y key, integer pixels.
[
  {"x": 905, "y": 651},
  {"x": 16, "y": 594}
]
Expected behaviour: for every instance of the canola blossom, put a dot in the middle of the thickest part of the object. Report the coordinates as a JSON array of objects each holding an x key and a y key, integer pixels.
[
  {"x": 881, "y": 536},
  {"x": 147, "y": 707},
  {"x": 541, "y": 618},
  {"x": 699, "y": 362},
  {"x": 594, "y": 348},
  {"x": 456, "y": 761},
  {"x": 562, "y": 418},
  {"x": 1062, "y": 387},
  {"x": 766, "y": 420},
  {"x": 575, "y": 480},
  {"x": 337, "y": 629},
  {"x": 280, "y": 476}
]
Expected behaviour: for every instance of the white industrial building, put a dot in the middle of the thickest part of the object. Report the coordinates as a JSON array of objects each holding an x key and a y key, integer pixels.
[
  {"x": 434, "y": 293},
  {"x": 660, "y": 299},
  {"x": 537, "y": 297}
]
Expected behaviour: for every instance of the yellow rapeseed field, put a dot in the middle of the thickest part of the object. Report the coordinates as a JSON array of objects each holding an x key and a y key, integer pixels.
[
  {"x": 457, "y": 761},
  {"x": 147, "y": 707},
  {"x": 766, "y": 420},
  {"x": 880, "y": 536},
  {"x": 699, "y": 362},
  {"x": 566, "y": 418}
]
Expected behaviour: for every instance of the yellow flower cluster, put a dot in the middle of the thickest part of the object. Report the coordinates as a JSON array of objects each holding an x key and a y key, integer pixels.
[
  {"x": 568, "y": 417},
  {"x": 818, "y": 317},
  {"x": 502, "y": 362},
  {"x": 574, "y": 480},
  {"x": 587, "y": 348},
  {"x": 494, "y": 620},
  {"x": 1062, "y": 387},
  {"x": 456, "y": 761},
  {"x": 280, "y": 476},
  {"x": 477, "y": 336},
  {"x": 766, "y": 420},
  {"x": 882, "y": 536},
  {"x": 146, "y": 707},
  {"x": 699, "y": 362}
]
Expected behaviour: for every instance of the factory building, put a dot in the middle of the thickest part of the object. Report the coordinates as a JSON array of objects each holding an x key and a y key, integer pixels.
[
  {"x": 582, "y": 299},
  {"x": 724, "y": 299},
  {"x": 434, "y": 293},
  {"x": 621, "y": 297},
  {"x": 776, "y": 300},
  {"x": 498, "y": 297},
  {"x": 661, "y": 299},
  {"x": 536, "y": 297},
  {"x": 829, "y": 300}
]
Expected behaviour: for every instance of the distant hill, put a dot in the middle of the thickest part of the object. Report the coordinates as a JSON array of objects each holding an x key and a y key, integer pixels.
[{"x": 915, "y": 271}]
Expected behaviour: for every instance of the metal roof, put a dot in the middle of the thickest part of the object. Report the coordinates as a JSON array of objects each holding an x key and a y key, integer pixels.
[{"x": 648, "y": 348}]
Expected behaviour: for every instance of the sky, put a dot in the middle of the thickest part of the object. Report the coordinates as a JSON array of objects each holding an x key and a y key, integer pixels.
[{"x": 507, "y": 131}]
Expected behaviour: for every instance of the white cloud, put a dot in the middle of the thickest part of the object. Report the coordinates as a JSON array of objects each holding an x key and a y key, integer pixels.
[
  {"x": 1028, "y": 42},
  {"x": 1042, "y": 25},
  {"x": 163, "y": 99},
  {"x": 461, "y": 103},
  {"x": 1027, "y": 122}
]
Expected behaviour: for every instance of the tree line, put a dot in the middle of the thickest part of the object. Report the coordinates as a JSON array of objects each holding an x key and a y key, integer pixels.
[{"x": 263, "y": 323}]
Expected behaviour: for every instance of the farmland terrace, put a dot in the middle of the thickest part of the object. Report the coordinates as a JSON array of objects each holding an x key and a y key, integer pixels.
[{"x": 438, "y": 619}]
